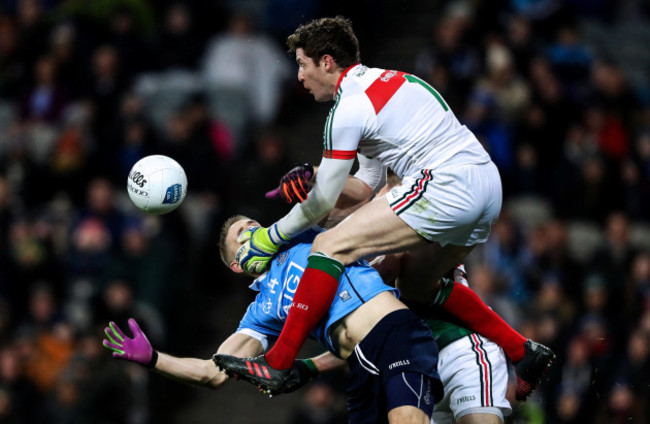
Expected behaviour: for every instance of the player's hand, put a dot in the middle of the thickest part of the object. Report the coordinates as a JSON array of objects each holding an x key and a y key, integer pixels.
[
  {"x": 259, "y": 246},
  {"x": 294, "y": 185},
  {"x": 137, "y": 349},
  {"x": 302, "y": 372}
]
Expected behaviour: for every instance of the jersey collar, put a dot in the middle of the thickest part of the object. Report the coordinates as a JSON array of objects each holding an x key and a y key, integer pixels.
[
  {"x": 338, "y": 83},
  {"x": 255, "y": 285}
]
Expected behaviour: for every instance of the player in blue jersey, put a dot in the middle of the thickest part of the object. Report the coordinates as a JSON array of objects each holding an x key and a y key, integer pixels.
[{"x": 391, "y": 354}]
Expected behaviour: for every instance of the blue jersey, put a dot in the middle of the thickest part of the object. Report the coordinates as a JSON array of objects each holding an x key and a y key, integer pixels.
[{"x": 266, "y": 315}]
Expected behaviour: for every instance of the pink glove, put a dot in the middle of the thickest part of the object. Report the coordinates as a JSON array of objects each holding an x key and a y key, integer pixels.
[{"x": 137, "y": 349}]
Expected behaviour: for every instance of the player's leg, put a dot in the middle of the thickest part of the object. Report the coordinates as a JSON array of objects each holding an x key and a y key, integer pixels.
[
  {"x": 480, "y": 419},
  {"x": 379, "y": 228},
  {"x": 479, "y": 392},
  {"x": 383, "y": 227},
  {"x": 406, "y": 398},
  {"x": 457, "y": 299},
  {"x": 530, "y": 358},
  {"x": 393, "y": 372},
  {"x": 417, "y": 277},
  {"x": 458, "y": 209},
  {"x": 372, "y": 229},
  {"x": 407, "y": 415},
  {"x": 453, "y": 207}
]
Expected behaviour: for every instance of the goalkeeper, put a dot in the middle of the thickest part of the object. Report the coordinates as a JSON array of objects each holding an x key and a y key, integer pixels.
[{"x": 391, "y": 353}]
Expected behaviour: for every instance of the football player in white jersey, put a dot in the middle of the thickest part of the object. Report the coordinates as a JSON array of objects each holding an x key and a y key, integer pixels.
[{"x": 451, "y": 195}]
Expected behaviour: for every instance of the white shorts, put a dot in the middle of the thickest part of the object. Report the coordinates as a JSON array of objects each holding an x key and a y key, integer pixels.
[
  {"x": 474, "y": 373},
  {"x": 453, "y": 205}
]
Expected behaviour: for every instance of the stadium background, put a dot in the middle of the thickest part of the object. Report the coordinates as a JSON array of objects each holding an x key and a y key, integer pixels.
[{"x": 557, "y": 90}]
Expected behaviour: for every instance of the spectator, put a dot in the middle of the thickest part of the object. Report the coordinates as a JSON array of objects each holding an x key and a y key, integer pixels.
[
  {"x": 569, "y": 57},
  {"x": 32, "y": 32},
  {"x": 179, "y": 46},
  {"x": 12, "y": 68},
  {"x": 613, "y": 261},
  {"x": 119, "y": 303},
  {"x": 148, "y": 263},
  {"x": 449, "y": 62},
  {"x": 250, "y": 84},
  {"x": 510, "y": 92},
  {"x": 45, "y": 100},
  {"x": 104, "y": 88}
]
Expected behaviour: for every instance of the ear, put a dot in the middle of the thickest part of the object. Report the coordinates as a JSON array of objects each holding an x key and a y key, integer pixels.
[
  {"x": 327, "y": 62},
  {"x": 235, "y": 267}
]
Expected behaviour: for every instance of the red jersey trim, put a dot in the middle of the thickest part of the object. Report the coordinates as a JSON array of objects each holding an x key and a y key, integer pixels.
[
  {"x": 338, "y": 83},
  {"x": 339, "y": 154},
  {"x": 383, "y": 88}
]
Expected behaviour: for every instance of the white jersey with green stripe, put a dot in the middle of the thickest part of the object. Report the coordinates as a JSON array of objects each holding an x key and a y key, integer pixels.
[
  {"x": 391, "y": 119},
  {"x": 399, "y": 120}
]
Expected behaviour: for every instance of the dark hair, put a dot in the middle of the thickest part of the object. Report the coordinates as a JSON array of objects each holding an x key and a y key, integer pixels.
[
  {"x": 332, "y": 36},
  {"x": 224, "y": 233}
]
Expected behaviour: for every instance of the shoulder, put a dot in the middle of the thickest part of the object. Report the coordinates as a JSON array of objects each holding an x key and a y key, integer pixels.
[
  {"x": 353, "y": 94},
  {"x": 356, "y": 81}
]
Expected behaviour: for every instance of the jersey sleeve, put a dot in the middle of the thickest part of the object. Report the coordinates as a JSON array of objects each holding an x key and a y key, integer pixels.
[
  {"x": 330, "y": 180},
  {"x": 256, "y": 321},
  {"x": 371, "y": 172},
  {"x": 344, "y": 129}
]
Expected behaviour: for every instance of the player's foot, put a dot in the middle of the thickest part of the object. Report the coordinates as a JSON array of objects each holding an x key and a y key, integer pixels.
[
  {"x": 530, "y": 369},
  {"x": 254, "y": 370}
]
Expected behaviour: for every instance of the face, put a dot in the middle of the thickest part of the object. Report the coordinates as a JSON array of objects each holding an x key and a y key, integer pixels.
[
  {"x": 231, "y": 238},
  {"x": 320, "y": 79}
]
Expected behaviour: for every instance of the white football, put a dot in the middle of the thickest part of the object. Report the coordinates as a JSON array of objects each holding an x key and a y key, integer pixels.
[{"x": 157, "y": 184}]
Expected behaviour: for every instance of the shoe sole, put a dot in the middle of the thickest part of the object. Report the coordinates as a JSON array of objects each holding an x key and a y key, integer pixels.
[{"x": 535, "y": 384}]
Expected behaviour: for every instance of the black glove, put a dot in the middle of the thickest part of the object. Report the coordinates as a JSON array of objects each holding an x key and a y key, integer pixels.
[
  {"x": 294, "y": 185},
  {"x": 302, "y": 372}
]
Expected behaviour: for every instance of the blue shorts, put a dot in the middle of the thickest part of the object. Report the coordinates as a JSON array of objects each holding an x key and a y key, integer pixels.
[{"x": 396, "y": 364}]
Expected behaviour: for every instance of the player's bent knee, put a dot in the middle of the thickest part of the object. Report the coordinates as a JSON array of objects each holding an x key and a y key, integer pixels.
[
  {"x": 329, "y": 244},
  {"x": 407, "y": 415},
  {"x": 322, "y": 244}
]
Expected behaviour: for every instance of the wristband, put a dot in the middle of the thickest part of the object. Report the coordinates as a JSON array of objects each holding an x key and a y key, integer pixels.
[{"x": 154, "y": 359}]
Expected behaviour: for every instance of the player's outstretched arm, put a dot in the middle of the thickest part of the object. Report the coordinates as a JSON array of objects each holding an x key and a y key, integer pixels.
[
  {"x": 260, "y": 244},
  {"x": 199, "y": 372},
  {"x": 295, "y": 186},
  {"x": 203, "y": 372}
]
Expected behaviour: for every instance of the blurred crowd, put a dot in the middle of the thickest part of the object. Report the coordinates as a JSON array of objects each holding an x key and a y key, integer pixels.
[{"x": 557, "y": 91}]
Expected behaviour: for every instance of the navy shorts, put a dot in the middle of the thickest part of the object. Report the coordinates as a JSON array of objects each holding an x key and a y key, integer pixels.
[{"x": 396, "y": 364}]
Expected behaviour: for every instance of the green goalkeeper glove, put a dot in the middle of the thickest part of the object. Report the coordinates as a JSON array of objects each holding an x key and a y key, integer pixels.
[{"x": 259, "y": 246}]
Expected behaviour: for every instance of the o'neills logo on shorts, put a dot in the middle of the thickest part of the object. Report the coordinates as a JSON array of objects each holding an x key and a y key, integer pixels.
[
  {"x": 399, "y": 364},
  {"x": 466, "y": 399}
]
